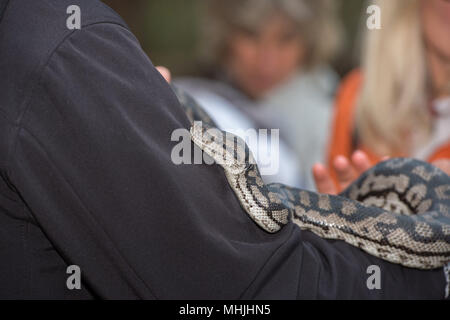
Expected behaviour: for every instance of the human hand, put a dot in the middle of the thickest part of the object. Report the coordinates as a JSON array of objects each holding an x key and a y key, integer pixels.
[
  {"x": 165, "y": 73},
  {"x": 348, "y": 170}
]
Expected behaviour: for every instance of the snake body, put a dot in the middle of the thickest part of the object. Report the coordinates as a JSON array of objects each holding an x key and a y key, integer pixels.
[{"x": 398, "y": 211}]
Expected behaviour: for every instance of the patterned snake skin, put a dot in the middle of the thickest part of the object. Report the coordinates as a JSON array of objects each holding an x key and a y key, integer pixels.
[{"x": 398, "y": 211}]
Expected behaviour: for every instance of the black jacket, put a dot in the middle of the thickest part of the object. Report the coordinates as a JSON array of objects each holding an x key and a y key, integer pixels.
[{"x": 87, "y": 180}]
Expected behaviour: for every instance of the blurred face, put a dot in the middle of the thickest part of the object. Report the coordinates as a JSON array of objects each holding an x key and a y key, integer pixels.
[
  {"x": 259, "y": 62},
  {"x": 436, "y": 28},
  {"x": 436, "y": 22}
]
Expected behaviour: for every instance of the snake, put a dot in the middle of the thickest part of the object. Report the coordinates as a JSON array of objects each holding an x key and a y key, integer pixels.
[{"x": 398, "y": 211}]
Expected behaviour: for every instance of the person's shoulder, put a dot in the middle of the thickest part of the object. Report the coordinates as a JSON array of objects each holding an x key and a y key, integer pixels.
[
  {"x": 50, "y": 11},
  {"x": 349, "y": 89},
  {"x": 351, "y": 83},
  {"x": 343, "y": 119},
  {"x": 346, "y": 99},
  {"x": 353, "y": 78},
  {"x": 31, "y": 30}
]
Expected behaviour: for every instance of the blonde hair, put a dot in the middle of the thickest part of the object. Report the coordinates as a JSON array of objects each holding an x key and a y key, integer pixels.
[
  {"x": 392, "y": 105},
  {"x": 316, "y": 22}
]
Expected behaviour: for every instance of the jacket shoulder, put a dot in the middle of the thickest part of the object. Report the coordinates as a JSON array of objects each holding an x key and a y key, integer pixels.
[{"x": 30, "y": 31}]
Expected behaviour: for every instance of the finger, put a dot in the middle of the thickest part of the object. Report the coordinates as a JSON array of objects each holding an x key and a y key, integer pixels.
[
  {"x": 361, "y": 162},
  {"x": 346, "y": 174},
  {"x": 165, "y": 73},
  {"x": 322, "y": 178}
]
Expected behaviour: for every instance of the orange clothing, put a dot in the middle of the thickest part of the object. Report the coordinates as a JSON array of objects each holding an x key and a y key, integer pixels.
[{"x": 341, "y": 140}]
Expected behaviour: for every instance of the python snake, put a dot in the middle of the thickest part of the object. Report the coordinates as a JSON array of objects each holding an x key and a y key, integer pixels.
[{"x": 398, "y": 211}]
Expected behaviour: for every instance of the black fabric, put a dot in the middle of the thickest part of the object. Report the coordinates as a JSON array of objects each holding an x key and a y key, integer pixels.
[
  {"x": 3, "y": 4},
  {"x": 87, "y": 180}
]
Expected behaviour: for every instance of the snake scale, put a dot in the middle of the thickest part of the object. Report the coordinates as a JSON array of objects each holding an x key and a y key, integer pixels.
[{"x": 398, "y": 211}]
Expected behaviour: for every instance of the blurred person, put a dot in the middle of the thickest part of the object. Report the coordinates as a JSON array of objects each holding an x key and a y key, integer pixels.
[
  {"x": 398, "y": 104},
  {"x": 269, "y": 60}
]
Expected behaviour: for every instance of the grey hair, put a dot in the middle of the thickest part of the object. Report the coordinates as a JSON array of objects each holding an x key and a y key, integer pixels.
[{"x": 316, "y": 21}]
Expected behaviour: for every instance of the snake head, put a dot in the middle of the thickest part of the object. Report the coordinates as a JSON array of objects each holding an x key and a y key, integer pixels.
[{"x": 228, "y": 150}]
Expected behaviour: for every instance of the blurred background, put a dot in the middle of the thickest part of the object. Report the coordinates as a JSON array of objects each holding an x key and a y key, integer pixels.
[
  {"x": 257, "y": 64},
  {"x": 170, "y": 31},
  {"x": 337, "y": 86}
]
